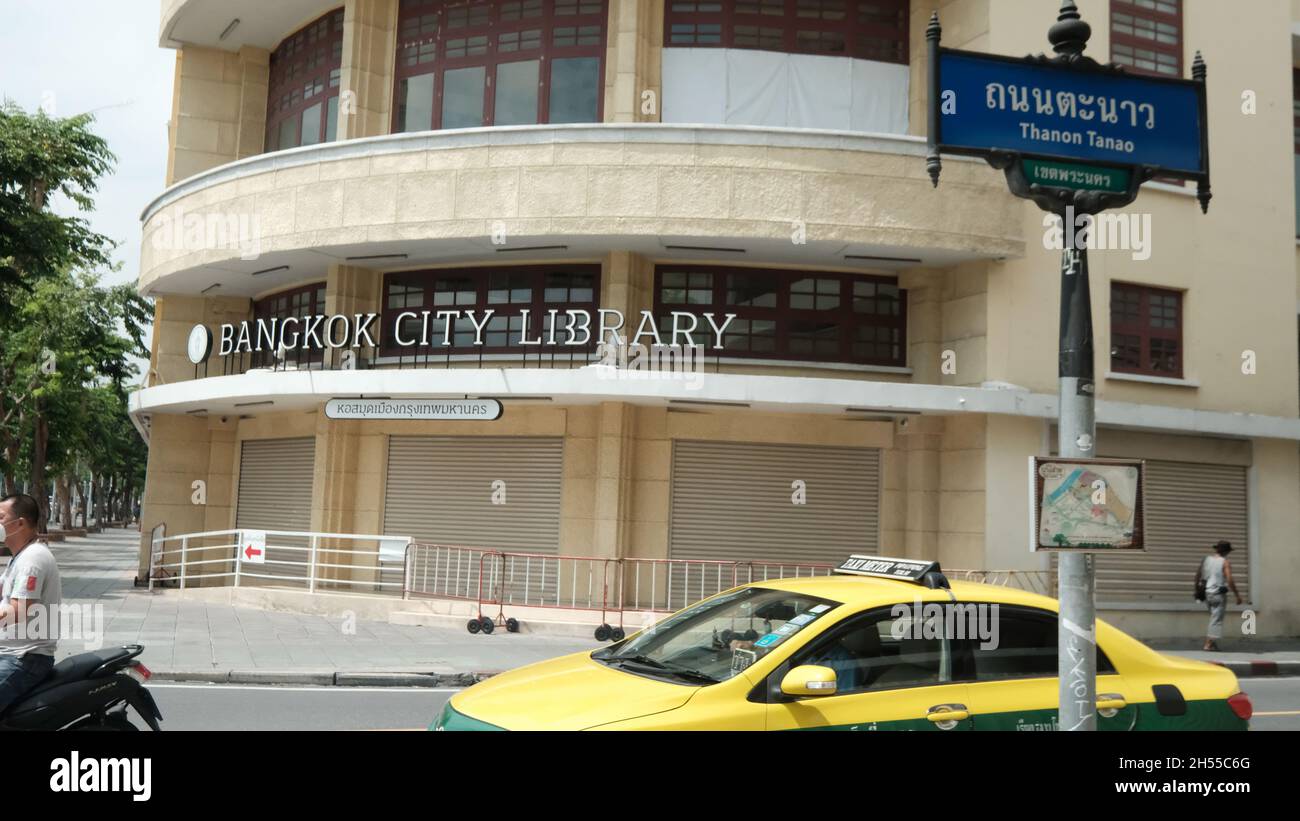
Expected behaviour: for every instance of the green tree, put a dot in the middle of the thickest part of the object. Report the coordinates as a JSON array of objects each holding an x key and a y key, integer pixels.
[
  {"x": 41, "y": 157},
  {"x": 72, "y": 342}
]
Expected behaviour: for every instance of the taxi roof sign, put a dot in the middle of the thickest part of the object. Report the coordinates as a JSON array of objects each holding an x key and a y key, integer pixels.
[{"x": 908, "y": 570}]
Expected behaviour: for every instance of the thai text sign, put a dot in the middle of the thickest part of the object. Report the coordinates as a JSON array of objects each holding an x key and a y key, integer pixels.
[
  {"x": 1049, "y": 111},
  {"x": 473, "y": 410}
]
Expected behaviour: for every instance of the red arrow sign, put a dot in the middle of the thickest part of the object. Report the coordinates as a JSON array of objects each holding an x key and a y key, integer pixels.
[{"x": 249, "y": 552}]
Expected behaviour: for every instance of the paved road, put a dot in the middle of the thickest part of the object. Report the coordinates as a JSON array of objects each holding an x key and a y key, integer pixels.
[
  {"x": 1277, "y": 702},
  {"x": 240, "y": 707},
  {"x": 249, "y": 707}
]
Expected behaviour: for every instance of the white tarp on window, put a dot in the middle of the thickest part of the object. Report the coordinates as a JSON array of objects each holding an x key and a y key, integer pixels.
[
  {"x": 698, "y": 83},
  {"x": 757, "y": 92},
  {"x": 747, "y": 87}
]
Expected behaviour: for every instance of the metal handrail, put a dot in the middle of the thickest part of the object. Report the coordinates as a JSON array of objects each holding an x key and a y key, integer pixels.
[{"x": 188, "y": 569}]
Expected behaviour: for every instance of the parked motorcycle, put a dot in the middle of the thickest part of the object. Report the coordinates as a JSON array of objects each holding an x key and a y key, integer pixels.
[{"x": 88, "y": 691}]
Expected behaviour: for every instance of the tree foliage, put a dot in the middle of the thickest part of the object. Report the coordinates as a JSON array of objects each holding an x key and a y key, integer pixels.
[
  {"x": 66, "y": 341},
  {"x": 41, "y": 156}
]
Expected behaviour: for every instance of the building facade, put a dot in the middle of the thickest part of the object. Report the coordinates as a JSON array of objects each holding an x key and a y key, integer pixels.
[{"x": 480, "y": 192}]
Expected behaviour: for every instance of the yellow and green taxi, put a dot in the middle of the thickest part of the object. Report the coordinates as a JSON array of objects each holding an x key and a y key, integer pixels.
[{"x": 887, "y": 644}]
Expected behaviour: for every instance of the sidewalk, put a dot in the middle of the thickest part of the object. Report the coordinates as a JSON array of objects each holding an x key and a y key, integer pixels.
[
  {"x": 1248, "y": 658},
  {"x": 205, "y": 641},
  {"x": 193, "y": 640}
]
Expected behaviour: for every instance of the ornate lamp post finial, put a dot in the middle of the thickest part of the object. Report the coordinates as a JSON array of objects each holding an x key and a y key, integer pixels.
[{"x": 1069, "y": 35}]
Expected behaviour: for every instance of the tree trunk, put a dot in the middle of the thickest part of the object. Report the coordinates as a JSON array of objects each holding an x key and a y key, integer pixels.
[
  {"x": 56, "y": 515},
  {"x": 11, "y": 450},
  {"x": 11, "y": 455},
  {"x": 99, "y": 501},
  {"x": 65, "y": 507},
  {"x": 110, "y": 494},
  {"x": 39, "y": 443}
]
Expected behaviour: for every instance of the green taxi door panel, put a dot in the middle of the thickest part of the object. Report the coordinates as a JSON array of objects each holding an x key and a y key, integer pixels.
[
  {"x": 1013, "y": 675},
  {"x": 1030, "y": 705},
  {"x": 905, "y": 709},
  {"x": 889, "y": 676}
]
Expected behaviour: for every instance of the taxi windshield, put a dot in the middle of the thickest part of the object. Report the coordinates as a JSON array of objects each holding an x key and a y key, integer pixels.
[{"x": 716, "y": 639}]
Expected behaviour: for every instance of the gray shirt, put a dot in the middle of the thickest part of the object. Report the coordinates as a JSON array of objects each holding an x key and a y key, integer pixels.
[
  {"x": 1213, "y": 573},
  {"x": 32, "y": 575}
]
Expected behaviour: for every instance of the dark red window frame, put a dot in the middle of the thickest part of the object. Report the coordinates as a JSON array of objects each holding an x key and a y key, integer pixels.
[
  {"x": 1295, "y": 107},
  {"x": 481, "y": 280},
  {"x": 1136, "y": 335},
  {"x": 306, "y": 69},
  {"x": 1132, "y": 9},
  {"x": 865, "y": 29},
  {"x": 427, "y": 30},
  {"x": 299, "y": 301},
  {"x": 887, "y": 329},
  {"x": 1295, "y": 126}
]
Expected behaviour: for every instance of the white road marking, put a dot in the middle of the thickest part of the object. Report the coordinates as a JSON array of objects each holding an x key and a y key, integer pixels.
[{"x": 324, "y": 688}]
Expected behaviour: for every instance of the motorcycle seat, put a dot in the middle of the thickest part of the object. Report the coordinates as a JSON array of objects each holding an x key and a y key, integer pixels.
[{"x": 80, "y": 666}]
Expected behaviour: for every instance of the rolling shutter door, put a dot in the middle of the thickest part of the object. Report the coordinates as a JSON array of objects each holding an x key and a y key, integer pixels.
[
  {"x": 275, "y": 478},
  {"x": 439, "y": 490},
  {"x": 1188, "y": 508},
  {"x": 732, "y": 501}
]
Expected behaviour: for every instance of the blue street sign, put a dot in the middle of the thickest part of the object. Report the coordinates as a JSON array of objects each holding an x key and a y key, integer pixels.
[{"x": 990, "y": 103}]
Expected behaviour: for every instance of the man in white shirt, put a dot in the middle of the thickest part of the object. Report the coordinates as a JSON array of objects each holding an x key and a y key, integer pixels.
[{"x": 30, "y": 594}]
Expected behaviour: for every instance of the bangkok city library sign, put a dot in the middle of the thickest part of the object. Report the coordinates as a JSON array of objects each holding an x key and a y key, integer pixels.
[{"x": 418, "y": 329}]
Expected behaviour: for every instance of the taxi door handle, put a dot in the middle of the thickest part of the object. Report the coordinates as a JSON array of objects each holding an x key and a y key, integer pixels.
[
  {"x": 947, "y": 713},
  {"x": 1111, "y": 701}
]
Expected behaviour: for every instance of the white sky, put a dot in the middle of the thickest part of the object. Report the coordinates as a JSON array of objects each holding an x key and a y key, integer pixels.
[{"x": 100, "y": 56}]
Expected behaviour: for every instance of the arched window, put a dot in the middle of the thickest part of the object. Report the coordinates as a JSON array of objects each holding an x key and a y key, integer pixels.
[
  {"x": 468, "y": 63},
  {"x": 296, "y": 303},
  {"x": 302, "y": 103},
  {"x": 865, "y": 29}
]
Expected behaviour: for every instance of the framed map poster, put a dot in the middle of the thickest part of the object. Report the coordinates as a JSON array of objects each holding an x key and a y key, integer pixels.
[{"x": 1086, "y": 505}]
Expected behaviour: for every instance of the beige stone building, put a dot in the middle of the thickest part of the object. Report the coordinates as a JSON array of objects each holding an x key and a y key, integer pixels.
[{"x": 891, "y": 364}]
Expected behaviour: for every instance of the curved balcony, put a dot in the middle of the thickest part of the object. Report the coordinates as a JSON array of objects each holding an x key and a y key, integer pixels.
[
  {"x": 258, "y": 392},
  {"x": 730, "y": 192},
  {"x": 261, "y": 24}
]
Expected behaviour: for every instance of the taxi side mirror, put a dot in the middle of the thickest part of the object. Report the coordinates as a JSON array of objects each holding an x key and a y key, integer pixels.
[{"x": 809, "y": 680}]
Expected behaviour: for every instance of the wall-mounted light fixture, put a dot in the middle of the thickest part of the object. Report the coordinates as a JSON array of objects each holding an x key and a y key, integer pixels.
[
  {"x": 373, "y": 257},
  {"x": 270, "y": 270},
  {"x": 709, "y": 248}
]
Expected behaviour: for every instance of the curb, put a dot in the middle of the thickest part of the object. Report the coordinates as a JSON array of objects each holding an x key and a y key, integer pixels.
[
  {"x": 322, "y": 679},
  {"x": 1260, "y": 669}
]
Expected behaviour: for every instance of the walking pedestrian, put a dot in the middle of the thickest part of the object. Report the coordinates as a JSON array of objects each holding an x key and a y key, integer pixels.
[{"x": 1213, "y": 581}]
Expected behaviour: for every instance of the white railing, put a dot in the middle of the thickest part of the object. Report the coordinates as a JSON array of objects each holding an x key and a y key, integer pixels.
[
  {"x": 307, "y": 560},
  {"x": 396, "y": 565},
  {"x": 1031, "y": 581}
]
